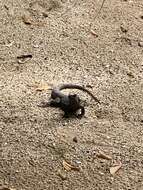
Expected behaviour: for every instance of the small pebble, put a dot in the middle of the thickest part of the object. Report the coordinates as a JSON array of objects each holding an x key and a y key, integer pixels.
[
  {"x": 140, "y": 43},
  {"x": 75, "y": 139},
  {"x": 78, "y": 162},
  {"x": 62, "y": 175},
  {"x": 130, "y": 74},
  {"x": 123, "y": 29}
]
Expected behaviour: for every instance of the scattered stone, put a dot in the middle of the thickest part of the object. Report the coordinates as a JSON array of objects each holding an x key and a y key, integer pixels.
[
  {"x": 75, "y": 139},
  {"x": 140, "y": 43},
  {"x": 45, "y": 14},
  {"x": 62, "y": 175},
  {"x": 130, "y": 74},
  {"x": 123, "y": 29},
  {"x": 27, "y": 20}
]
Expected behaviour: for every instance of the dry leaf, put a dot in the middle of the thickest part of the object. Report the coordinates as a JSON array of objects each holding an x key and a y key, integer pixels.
[
  {"x": 69, "y": 167},
  {"x": 94, "y": 33},
  {"x": 42, "y": 86},
  {"x": 115, "y": 168},
  {"x": 103, "y": 156},
  {"x": 66, "y": 166}
]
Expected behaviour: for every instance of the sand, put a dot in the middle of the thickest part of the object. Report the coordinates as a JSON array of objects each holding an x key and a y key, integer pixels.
[{"x": 49, "y": 42}]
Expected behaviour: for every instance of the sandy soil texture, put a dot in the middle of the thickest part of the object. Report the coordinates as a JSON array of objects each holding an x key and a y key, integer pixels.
[{"x": 48, "y": 42}]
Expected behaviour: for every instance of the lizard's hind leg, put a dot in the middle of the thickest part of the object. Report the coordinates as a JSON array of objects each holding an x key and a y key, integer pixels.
[{"x": 80, "y": 112}]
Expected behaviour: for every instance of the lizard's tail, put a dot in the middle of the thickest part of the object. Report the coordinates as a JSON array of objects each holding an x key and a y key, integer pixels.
[{"x": 75, "y": 86}]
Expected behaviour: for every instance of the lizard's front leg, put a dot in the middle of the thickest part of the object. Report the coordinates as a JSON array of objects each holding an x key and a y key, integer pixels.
[{"x": 51, "y": 103}]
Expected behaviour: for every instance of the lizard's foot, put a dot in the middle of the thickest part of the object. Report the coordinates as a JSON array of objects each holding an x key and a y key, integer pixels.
[
  {"x": 44, "y": 104},
  {"x": 80, "y": 112}
]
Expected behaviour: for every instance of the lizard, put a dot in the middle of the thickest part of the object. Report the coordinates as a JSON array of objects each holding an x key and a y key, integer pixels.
[{"x": 70, "y": 104}]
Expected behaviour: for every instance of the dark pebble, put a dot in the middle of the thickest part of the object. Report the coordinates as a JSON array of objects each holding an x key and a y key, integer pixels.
[{"x": 75, "y": 139}]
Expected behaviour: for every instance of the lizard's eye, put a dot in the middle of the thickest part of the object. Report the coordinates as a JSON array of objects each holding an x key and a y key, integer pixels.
[{"x": 57, "y": 100}]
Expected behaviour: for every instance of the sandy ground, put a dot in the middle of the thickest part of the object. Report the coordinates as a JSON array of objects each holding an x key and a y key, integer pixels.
[{"x": 66, "y": 42}]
